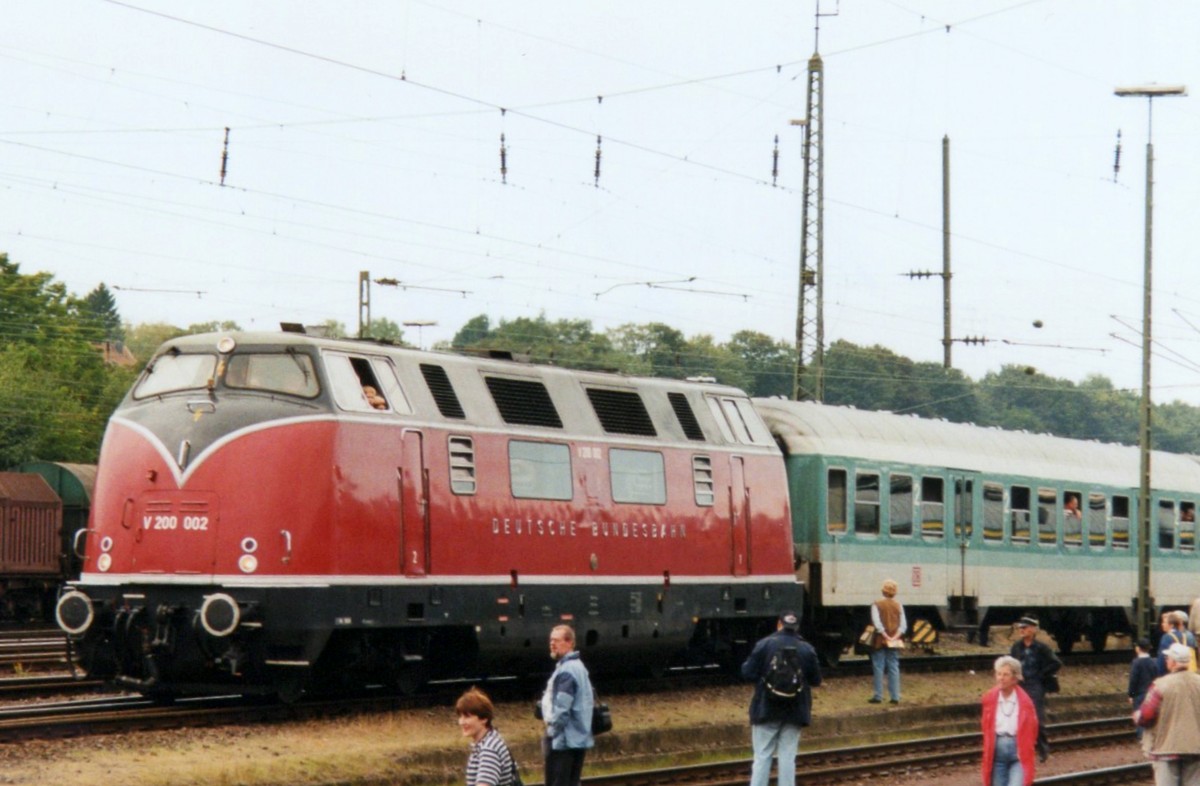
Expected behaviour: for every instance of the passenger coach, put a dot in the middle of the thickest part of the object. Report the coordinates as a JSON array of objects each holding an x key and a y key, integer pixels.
[
  {"x": 978, "y": 525},
  {"x": 274, "y": 511}
]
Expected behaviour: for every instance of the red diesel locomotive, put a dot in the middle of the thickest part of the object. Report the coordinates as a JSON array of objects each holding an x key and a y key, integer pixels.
[{"x": 278, "y": 511}]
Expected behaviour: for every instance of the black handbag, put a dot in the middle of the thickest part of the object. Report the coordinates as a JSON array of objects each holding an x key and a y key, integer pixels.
[
  {"x": 1050, "y": 683},
  {"x": 601, "y": 718}
]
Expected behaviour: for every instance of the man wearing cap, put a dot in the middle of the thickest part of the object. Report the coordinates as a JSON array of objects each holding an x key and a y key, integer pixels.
[
  {"x": 887, "y": 615},
  {"x": 1172, "y": 712},
  {"x": 1038, "y": 662},
  {"x": 775, "y": 722}
]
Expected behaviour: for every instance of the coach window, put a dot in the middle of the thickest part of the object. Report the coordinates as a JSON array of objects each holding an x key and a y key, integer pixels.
[
  {"x": 1187, "y": 526},
  {"x": 900, "y": 506},
  {"x": 835, "y": 502},
  {"x": 172, "y": 371},
  {"x": 993, "y": 512},
  {"x": 866, "y": 503},
  {"x": 1047, "y": 517},
  {"x": 1019, "y": 497},
  {"x": 1166, "y": 524},
  {"x": 1072, "y": 518},
  {"x": 539, "y": 470},
  {"x": 702, "y": 480},
  {"x": 1095, "y": 517},
  {"x": 638, "y": 476},
  {"x": 462, "y": 465},
  {"x": 1120, "y": 521},
  {"x": 933, "y": 508}
]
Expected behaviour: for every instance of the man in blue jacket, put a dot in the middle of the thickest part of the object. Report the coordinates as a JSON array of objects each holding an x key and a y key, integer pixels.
[
  {"x": 776, "y": 720},
  {"x": 567, "y": 710}
]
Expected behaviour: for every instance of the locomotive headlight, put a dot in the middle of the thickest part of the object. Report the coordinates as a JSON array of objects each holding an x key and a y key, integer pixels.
[
  {"x": 104, "y": 562},
  {"x": 74, "y": 613},
  {"x": 248, "y": 563},
  {"x": 226, "y": 344}
]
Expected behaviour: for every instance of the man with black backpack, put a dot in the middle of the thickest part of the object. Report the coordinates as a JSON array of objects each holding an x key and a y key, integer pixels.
[{"x": 784, "y": 669}]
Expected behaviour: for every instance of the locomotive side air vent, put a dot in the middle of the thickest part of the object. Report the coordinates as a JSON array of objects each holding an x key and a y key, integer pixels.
[
  {"x": 687, "y": 418},
  {"x": 621, "y": 412},
  {"x": 442, "y": 391},
  {"x": 523, "y": 402}
]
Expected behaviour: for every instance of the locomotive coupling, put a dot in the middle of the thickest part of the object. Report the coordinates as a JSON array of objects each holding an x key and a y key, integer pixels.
[{"x": 75, "y": 613}]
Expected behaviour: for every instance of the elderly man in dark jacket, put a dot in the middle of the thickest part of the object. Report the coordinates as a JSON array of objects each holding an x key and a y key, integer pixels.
[{"x": 776, "y": 720}]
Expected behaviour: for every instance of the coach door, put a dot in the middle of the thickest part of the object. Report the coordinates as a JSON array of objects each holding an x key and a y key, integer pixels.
[
  {"x": 962, "y": 568},
  {"x": 739, "y": 512},
  {"x": 414, "y": 505}
]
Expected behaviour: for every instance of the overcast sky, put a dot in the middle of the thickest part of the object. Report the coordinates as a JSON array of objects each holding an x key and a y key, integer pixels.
[{"x": 366, "y": 136}]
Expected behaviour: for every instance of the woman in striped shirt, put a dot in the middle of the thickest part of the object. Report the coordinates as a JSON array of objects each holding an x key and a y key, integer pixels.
[{"x": 490, "y": 762}]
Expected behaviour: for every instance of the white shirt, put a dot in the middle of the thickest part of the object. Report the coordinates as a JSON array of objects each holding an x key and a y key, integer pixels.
[{"x": 1007, "y": 712}]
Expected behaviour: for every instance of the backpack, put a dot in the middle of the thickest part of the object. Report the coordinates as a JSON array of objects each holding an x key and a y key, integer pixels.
[{"x": 784, "y": 677}]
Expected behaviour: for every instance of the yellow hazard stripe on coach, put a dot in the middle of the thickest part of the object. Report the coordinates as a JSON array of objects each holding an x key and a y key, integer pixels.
[{"x": 923, "y": 632}]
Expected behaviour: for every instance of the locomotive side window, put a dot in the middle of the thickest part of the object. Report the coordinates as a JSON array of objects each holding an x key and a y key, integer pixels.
[
  {"x": 738, "y": 422},
  {"x": 1019, "y": 497},
  {"x": 523, "y": 402},
  {"x": 363, "y": 384},
  {"x": 462, "y": 465},
  {"x": 1166, "y": 524},
  {"x": 539, "y": 470},
  {"x": 1047, "y": 517},
  {"x": 866, "y": 503},
  {"x": 638, "y": 476},
  {"x": 1097, "y": 516},
  {"x": 835, "y": 502},
  {"x": 993, "y": 512},
  {"x": 1120, "y": 521},
  {"x": 621, "y": 412},
  {"x": 900, "y": 506},
  {"x": 685, "y": 415},
  {"x": 288, "y": 373},
  {"x": 1072, "y": 519},
  {"x": 702, "y": 480},
  {"x": 1187, "y": 526},
  {"x": 933, "y": 508},
  {"x": 171, "y": 371}
]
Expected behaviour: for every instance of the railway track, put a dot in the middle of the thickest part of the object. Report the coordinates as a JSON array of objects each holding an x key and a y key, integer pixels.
[{"x": 909, "y": 758}]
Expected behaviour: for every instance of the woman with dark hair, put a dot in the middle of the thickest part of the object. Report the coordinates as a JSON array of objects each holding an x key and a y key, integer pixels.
[
  {"x": 490, "y": 762},
  {"x": 1010, "y": 728}
]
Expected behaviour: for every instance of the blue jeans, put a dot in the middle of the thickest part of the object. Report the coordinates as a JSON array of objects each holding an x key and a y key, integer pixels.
[
  {"x": 1006, "y": 768},
  {"x": 888, "y": 658},
  {"x": 774, "y": 739}
]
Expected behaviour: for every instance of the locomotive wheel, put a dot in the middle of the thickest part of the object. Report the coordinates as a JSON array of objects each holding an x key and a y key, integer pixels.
[
  {"x": 1098, "y": 637},
  {"x": 289, "y": 689},
  {"x": 412, "y": 678}
]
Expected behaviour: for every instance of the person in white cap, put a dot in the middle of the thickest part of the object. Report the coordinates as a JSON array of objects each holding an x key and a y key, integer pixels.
[{"x": 1172, "y": 712}]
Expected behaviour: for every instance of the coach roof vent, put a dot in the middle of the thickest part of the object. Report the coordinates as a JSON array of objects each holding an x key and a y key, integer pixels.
[
  {"x": 621, "y": 412},
  {"x": 687, "y": 418},
  {"x": 523, "y": 402},
  {"x": 442, "y": 391}
]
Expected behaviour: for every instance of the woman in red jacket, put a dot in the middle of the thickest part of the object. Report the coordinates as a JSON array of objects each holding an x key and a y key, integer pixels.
[{"x": 1010, "y": 728}]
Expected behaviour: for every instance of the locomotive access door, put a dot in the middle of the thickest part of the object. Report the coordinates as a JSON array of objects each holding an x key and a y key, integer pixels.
[
  {"x": 414, "y": 505},
  {"x": 739, "y": 511}
]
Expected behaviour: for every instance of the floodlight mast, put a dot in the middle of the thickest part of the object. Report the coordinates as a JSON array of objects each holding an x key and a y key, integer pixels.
[{"x": 1144, "y": 608}]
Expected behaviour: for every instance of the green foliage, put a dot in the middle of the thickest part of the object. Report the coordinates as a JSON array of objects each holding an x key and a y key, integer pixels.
[
  {"x": 385, "y": 329},
  {"x": 143, "y": 339},
  {"x": 102, "y": 307},
  {"x": 224, "y": 326}
]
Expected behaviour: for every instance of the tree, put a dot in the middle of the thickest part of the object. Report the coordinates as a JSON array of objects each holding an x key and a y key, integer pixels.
[
  {"x": 102, "y": 308},
  {"x": 225, "y": 326},
  {"x": 769, "y": 363},
  {"x": 385, "y": 329},
  {"x": 146, "y": 337}
]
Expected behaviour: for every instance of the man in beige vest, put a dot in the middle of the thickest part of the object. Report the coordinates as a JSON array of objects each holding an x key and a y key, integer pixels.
[
  {"x": 887, "y": 615},
  {"x": 1172, "y": 713}
]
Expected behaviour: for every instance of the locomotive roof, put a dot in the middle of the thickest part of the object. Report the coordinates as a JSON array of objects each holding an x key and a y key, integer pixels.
[
  {"x": 266, "y": 339},
  {"x": 811, "y": 428}
]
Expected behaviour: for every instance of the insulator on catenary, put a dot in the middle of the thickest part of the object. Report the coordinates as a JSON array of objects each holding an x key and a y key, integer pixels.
[
  {"x": 1117, "y": 157},
  {"x": 225, "y": 155},
  {"x": 775, "y": 162},
  {"x": 503, "y": 160},
  {"x": 597, "y": 162}
]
